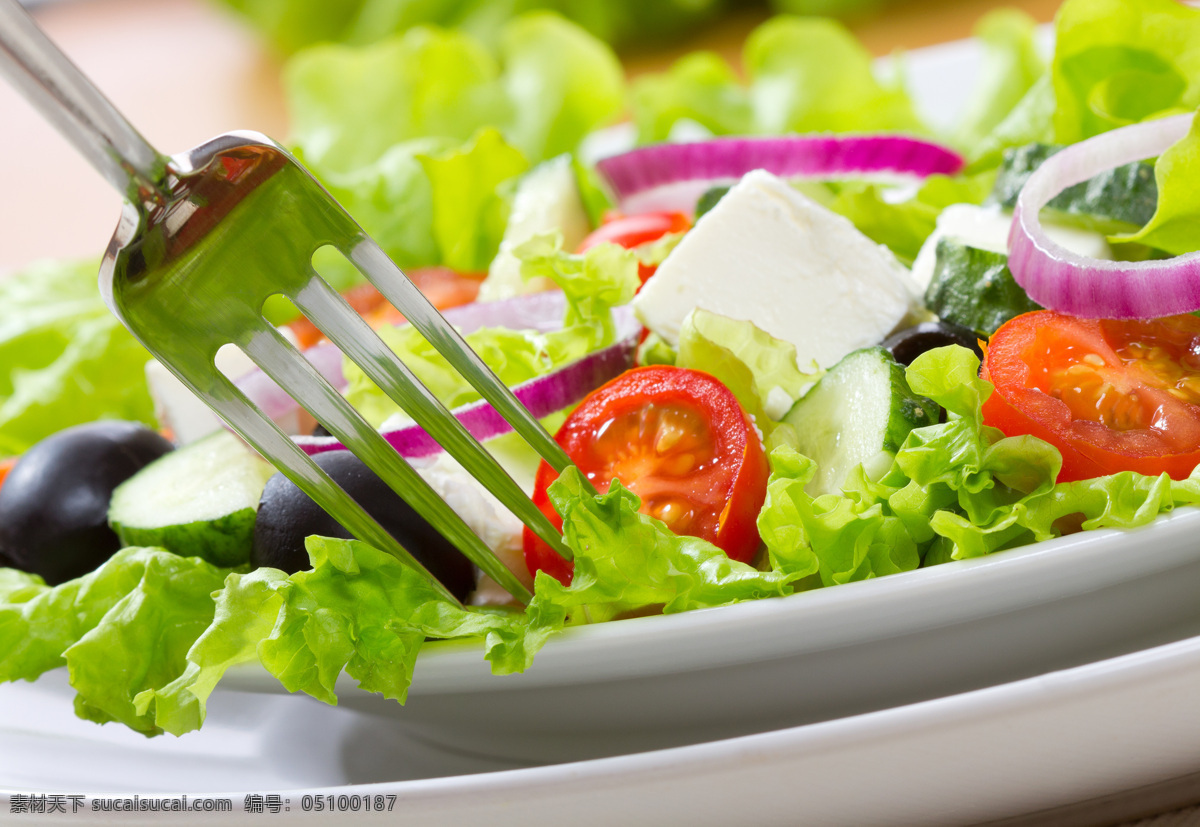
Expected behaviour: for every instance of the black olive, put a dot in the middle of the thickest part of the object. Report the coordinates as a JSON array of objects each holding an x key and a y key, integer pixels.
[
  {"x": 286, "y": 515},
  {"x": 908, "y": 344},
  {"x": 54, "y": 503}
]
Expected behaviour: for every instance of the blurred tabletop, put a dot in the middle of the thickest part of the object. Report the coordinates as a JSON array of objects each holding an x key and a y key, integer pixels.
[{"x": 186, "y": 70}]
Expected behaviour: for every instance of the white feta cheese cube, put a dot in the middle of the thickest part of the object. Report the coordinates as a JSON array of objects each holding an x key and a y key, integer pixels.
[{"x": 768, "y": 254}]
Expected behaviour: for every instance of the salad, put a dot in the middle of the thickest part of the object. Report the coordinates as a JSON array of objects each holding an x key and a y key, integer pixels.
[{"x": 793, "y": 337}]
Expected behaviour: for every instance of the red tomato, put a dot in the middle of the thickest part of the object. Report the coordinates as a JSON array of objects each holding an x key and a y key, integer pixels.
[
  {"x": 678, "y": 439},
  {"x": 1110, "y": 395},
  {"x": 631, "y": 231}
]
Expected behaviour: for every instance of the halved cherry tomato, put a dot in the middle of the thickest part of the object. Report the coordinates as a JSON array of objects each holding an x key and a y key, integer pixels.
[
  {"x": 678, "y": 439},
  {"x": 1110, "y": 395},
  {"x": 442, "y": 286},
  {"x": 631, "y": 231}
]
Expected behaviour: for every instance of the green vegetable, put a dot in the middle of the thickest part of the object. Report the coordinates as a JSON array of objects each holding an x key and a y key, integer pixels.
[
  {"x": 700, "y": 87},
  {"x": 198, "y": 501},
  {"x": 859, "y": 414},
  {"x": 1119, "y": 199},
  {"x": 1011, "y": 66},
  {"x": 294, "y": 24},
  {"x": 902, "y": 223},
  {"x": 1118, "y": 62},
  {"x": 955, "y": 490},
  {"x": 417, "y": 135},
  {"x": 358, "y": 610},
  {"x": 974, "y": 289},
  {"x": 626, "y": 560},
  {"x": 470, "y": 202},
  {"x": 121, "y": 629},
  {"x": 710, "y": 199},
  {"x": 1175, "y": 224},
  {"x": 1029, "y": 122},
  {"x": 66, "y": 359},
  {"x": 361, "y": 611},
  {"x": 759, "y": 369},
  {"x": 806, "y": 75}
]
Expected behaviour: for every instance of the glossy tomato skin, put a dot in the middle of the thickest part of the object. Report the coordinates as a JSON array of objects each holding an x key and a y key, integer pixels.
[
  {"x": 711, "y": 486},
  {"x": 631, "y": 231},
  {"x": 1111, "y": 396}
]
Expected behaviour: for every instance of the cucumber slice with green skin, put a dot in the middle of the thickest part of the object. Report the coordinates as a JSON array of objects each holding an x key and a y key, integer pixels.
[
  {"x": 1120, "y": 200},
  {"x": 198, "y": 501},
  {"x": 860, "y": 413},
  {"x": 973, "y": 288}
]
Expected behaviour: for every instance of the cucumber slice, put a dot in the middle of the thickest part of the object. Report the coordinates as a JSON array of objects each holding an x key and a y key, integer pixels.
[
  {"x": 973, "y": 288},
  {"x": 858, "y": 414},
  {"x": 197, "y": 501},
  {"x": 1120, "y": 200}
]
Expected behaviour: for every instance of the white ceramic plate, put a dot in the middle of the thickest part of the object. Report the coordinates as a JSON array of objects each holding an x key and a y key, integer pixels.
[{"x": 1096, "y": 744}]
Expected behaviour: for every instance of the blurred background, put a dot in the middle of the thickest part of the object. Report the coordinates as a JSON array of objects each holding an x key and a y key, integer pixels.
[{"x": 184, "y": 70}]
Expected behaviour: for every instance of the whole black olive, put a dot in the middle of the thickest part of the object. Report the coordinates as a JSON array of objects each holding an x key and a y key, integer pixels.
[
  {"x": 910, "y": 343},
  {"x": 286, "y": 515},
  {"x": 54, "y": 503}
]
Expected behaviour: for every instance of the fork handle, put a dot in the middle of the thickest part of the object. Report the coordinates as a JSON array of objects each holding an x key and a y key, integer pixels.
[{"x": 77, "y": 109}]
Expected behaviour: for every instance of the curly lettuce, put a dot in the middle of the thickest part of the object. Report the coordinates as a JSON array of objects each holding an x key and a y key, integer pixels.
[
  {"x": 66, "y": 359},
  {"x": 955, "y": 490},
  {"x": 421, "y": 136}
]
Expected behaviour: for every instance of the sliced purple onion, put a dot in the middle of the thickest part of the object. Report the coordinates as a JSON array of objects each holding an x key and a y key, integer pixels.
[
  {"x": 543, "y": 396},
  {"x": 536, "y": 311},
  {"x": 1059, "y": 279},
  {"x": 665, "y": 176}
]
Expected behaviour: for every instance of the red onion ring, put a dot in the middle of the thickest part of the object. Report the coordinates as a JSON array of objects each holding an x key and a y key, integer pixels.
[
  {"x": 543, "y": 396},
  {"x": 639, "y": 178},
  {"x": 1059, "y": 279}
]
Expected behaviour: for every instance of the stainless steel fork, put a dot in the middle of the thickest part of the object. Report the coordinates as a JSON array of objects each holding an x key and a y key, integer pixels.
[{"x": 206, "y": 237}]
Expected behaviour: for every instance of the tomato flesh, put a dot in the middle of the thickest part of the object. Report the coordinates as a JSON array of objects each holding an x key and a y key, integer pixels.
[
  {"x": 630, "y": 231},
  {"x": 678, "y": 439},
  {"x": 1110, "y": 395}
]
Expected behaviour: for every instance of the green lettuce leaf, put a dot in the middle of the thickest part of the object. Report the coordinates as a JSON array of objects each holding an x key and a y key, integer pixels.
[
  {"x": 358, "y": 611},
  {"x": 294, "y": 24},
  {"x": 469, "y": 209},
  {"x": 1031, "y": 121},
  {"x": 417, "y": 135},
  {"x": 1118, "y": 62},
  {"x": 120, "y": 630},
  {"x": 812, "y": 75},
  {"x": 1175, "y": 226},
  {"x": 67, "y": 360},
  {"x": 561, "y": 81},
  {"x": 761, "y": 370},
  {"x": 625, "y": 560},
  {"x": 700, "y": 87},
  {"x": 902, "y": 223},
  {"x": 805, "y": 75},
  {"x": 593, "y": 283},
  {"x": 1011, "y": 66}
]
